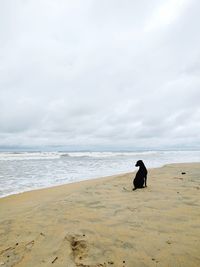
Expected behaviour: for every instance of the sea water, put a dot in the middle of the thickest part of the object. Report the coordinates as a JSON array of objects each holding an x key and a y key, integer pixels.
[{"x": 24, "y": 171}]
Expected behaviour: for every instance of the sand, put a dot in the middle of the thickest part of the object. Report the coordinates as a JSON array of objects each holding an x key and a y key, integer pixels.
[{"x": 104, "y": 223}]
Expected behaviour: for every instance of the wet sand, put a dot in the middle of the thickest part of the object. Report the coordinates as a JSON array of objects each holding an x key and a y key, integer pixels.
[{"x": 104, "y": 223}]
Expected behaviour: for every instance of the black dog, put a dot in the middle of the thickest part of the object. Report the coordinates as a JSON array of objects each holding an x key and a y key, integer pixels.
[{"x": 141, "y": 176}]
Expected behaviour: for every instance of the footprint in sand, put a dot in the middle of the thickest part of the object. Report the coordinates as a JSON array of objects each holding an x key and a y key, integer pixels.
[
  {"x": 95, "y": 205},
  {"x": 79, "y": 248},
  {"x": 15, "y": 254}
]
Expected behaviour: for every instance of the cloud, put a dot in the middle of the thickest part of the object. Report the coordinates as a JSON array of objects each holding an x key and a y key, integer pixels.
[
  {"x": 120, "y": 74},
  {"x": 166, "y": 13}
]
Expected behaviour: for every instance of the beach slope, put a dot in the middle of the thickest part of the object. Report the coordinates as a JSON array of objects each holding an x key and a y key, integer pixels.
[{"x": 104, "y": 223}]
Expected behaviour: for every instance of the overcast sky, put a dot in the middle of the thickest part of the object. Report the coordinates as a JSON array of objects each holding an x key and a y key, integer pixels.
[{"x": 120, "y": 74}]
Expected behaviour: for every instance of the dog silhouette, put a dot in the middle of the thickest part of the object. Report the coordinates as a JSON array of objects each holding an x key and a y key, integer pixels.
[{"x": 140, "y": 180}]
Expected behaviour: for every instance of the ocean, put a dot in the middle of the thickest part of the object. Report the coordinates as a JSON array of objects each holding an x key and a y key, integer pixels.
[{"x": 24, "y": 171}]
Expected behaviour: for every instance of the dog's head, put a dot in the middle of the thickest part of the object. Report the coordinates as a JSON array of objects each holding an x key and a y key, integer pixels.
[{"x": 139, "y": 163}]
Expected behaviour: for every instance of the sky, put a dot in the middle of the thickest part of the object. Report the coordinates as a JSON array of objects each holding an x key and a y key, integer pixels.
[{"x": 97, "y": 75}]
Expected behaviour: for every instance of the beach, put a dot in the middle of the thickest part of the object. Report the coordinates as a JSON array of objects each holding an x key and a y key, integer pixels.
[{"x": 102, "y": 222}]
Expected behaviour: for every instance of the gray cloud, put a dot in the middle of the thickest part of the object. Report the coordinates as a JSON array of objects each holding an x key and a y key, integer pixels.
[{"x": 120, "y": 74}]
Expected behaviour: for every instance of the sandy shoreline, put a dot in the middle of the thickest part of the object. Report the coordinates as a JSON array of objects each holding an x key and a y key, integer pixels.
[{"x": 102, "y": 222}]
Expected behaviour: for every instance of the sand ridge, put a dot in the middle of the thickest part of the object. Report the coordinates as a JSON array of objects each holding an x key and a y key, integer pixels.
[{"x": 104, "y": 223}]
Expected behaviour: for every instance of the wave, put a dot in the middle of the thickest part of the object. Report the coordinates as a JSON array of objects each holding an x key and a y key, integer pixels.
[
  {"x": 57, "y": 155},
  {"x": 28, "y": 155},
  {"x": 65, "y": 155},
  {"x": 109, "y": 154},
  {"x": 90, "y": 155},
  {"x": 106, "y": 154}
]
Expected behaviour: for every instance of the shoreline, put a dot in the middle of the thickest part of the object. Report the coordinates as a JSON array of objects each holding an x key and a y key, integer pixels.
[
  {"x": 102, "y": 222},
  {"x": 91, "y": 179},
  {"x": 67, "y": 184}
]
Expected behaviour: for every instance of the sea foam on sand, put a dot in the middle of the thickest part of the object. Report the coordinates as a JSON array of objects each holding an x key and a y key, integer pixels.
[{"x": 103, "y": 222}]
